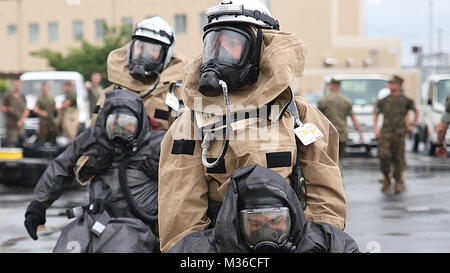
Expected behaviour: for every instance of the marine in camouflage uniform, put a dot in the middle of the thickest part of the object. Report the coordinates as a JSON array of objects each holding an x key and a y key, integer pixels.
[
  {"x": 68, "y": 114},
  {"x": 446, "y": 115},
  {"x": 442, "y": 131},
  {"x": 391, "y": 144},
  {"x": 45, "y": 108},
  {"x": 94, "y": 90},
  {"x": 336, "y": 107},
  {"x": 14, "y": 106}
]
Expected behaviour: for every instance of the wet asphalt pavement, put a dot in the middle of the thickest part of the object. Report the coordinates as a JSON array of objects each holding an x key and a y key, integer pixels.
[{"x": 417, "y": 220}]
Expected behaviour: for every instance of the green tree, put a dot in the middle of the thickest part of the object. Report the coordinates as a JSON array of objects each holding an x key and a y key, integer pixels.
[
  {"x": 4, "y": 86},
  {"x": 88, "y": 58}
]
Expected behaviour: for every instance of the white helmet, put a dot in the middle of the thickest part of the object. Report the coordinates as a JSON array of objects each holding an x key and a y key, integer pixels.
[
  {"x": 157, "y": 29},
  {"x": 241, "y": 11}
]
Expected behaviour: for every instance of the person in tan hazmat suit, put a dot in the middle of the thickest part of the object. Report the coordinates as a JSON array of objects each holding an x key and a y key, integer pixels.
[
  {"x": 241, "y": 111},
  {"x": 149, "y": 67}
]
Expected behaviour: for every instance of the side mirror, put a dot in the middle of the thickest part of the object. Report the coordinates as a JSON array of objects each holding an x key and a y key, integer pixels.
[{"x": 430, "y": 102}]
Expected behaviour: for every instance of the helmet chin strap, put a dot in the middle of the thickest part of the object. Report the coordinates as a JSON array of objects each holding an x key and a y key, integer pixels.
[{"x": 206, "y": 144}]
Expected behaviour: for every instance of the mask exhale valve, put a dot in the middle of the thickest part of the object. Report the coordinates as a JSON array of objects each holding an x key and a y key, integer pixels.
[{"x": 206, "y": 144}]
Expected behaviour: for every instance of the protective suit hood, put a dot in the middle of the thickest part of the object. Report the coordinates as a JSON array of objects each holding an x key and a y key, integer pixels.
[
  {"x": 119, "y": 98},
  {"x": 253, "y": 179},
  {"x": 282, "y": 59},
  {"x": 119, "y": 73}
]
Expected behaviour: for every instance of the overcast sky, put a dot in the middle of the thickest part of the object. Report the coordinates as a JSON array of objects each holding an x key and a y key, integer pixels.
[{"x": 409, "y": 21}]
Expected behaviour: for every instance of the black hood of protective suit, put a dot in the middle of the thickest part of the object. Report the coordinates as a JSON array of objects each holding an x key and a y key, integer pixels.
[
  {"x": 96, "y": 144},
  {"x": 258, "y": 181},
  {"x": 122, "y": 99}
]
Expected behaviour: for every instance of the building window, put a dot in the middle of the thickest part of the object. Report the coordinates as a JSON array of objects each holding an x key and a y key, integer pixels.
[
  {"x": 127, "y": 23},
  {"x": 203, "y": 21},
  {"x": 12, "y": 29},
  {"x": 77, "y": 27},
  {"x": 53, "y": 34},
  {"x": 99, "y": 29},
  {"x": 34, "y": 33},
  {"x": 180, "y": 23}
]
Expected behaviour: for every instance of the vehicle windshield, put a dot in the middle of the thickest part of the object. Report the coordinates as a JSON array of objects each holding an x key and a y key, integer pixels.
[
  {"x": 33, "y": 87},
  {"x": 312, "y": 98},
  {"x": 443, "y": 91},
  {"x": 362, "y": 92}
]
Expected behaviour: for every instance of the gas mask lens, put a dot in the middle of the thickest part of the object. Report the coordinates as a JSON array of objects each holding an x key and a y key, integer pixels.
[
  {"x": 148, "y": 51},
  {"x": 121, "y": 126},
  {"x": 265, "y": 225},
  {"x": 224, "y": 46}
]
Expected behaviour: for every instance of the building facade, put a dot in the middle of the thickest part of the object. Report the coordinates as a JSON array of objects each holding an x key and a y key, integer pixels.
[{"x": 333, "y": 31}]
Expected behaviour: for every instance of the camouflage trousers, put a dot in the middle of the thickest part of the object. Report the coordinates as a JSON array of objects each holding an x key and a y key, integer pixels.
[
  {"x": 342, "y": 146},
  {"x": 12, "y": 136},
  {"x": 391, "y": 152},
  {"x": 47, "y": 131}
]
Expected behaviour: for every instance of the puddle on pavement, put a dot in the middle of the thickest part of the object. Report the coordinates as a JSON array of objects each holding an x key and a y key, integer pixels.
[
  {"x": 417, "y": 210},
  {"x": 395, "y": 217},
  {"x": 396, "y": 234}
]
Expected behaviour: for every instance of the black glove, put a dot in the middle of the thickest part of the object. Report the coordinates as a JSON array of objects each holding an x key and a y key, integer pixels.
[{"x": 34, "y": 216}]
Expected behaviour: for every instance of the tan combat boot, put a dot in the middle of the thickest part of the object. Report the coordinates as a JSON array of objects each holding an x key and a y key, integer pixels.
[
  {"x": 399, "y": 185},
  {"x": 386, "y": 184}
]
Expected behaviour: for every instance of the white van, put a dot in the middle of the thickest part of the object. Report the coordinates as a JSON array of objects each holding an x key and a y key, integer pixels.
[
  {"x": 363, "y": 90},
  {"x": 434, "y": 93},
  {"x": 23, "y": 167},
  {"x": 32, "y": 83}
]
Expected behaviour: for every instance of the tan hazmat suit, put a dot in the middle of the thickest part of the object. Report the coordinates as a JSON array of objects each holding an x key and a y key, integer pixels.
[
  {"x": 185, "y": 185},
  {"x": 119, "y": 74},
  {"x": 155, "y": 106}
]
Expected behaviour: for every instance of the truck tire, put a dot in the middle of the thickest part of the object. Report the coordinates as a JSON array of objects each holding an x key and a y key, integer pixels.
[
  {"x": 431, "y": 148},
  {"x": 416, "y": 142}
]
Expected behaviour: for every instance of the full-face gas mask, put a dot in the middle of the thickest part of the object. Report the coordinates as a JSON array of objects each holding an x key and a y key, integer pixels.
[
  {"x": 265, "y": 229},
  {"x": 230, "y": 53},
  {"x": 122, "y": 127},
  {"x": 146, "y": 58}
]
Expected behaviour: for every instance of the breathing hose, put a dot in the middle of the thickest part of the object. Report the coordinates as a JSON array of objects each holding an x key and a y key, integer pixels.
[
  {"x": 158, "y": 78},
  {"x": 125, "y": 188},
  {"x": 206, "y": 144}
]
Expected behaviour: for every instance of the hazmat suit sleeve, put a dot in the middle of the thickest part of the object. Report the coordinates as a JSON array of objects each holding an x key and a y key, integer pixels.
[
  {"x": 59, "y": 172},
  {"x": 325, "y": 192},
  {"x": 182, "y": 187},
  {"x": 324, "y": 238}
]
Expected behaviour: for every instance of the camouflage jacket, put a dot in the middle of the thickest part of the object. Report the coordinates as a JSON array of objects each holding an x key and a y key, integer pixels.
[
  {"x": 446, "y": 115},
  {"x": 394, "y": 110},
  {"x": 336, "y": 107}
]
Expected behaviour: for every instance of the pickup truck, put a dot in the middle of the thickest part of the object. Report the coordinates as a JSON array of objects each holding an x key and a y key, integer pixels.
[
  {"x": 363, "y": 90},
  {"x": 434, "y": 93}
]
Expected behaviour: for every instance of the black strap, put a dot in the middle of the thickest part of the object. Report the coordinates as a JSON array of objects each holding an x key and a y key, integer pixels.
[
  {"x": 160, "y": 32},
  {"x": 250, "y": 13},
  {"x": 294, "y": 111},
  {"x": 297, "y": 179}
]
